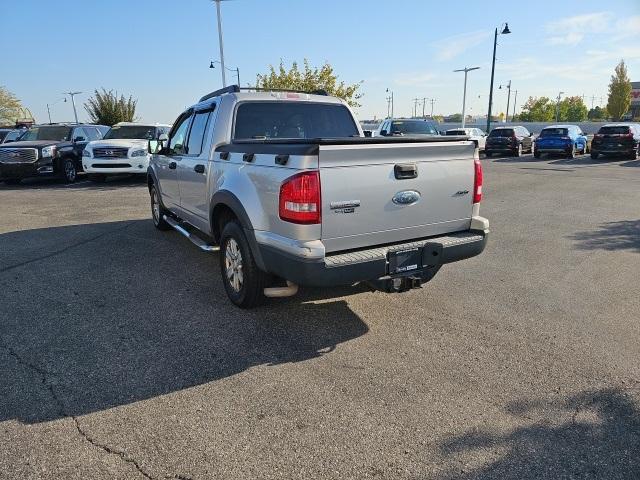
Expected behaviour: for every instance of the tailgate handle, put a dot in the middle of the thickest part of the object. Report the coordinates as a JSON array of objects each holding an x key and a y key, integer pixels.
[{"x": 405, "y": 171}]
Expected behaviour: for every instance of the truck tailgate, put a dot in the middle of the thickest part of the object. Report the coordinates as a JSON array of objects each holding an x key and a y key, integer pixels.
[{"x": 385, "y": 193}]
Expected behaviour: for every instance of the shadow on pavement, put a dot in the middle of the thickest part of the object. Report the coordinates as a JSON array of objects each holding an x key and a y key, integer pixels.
[
  {"x": 509, "y": 159},
  {"x": 593, "y": 435},
  {"x": 582, "y": 160},
  {"x": 622, "y": 235},
  {"x": 83, "y": 183},
  {"x": 631, "y": 163},
  {"x": 103, "y": 315}
]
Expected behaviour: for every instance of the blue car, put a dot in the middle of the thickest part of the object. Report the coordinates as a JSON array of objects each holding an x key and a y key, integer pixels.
[{"x": 561, "y": 139}]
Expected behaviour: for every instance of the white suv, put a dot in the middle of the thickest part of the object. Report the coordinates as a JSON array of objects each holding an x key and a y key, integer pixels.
[{"x": 124, "y": 149}]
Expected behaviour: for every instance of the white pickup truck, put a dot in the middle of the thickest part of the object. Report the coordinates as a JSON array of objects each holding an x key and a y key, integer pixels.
[{"x": 291, "y": 193}]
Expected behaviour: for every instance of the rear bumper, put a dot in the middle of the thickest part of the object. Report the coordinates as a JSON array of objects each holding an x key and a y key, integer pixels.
[{"x": 372, "y": 264}]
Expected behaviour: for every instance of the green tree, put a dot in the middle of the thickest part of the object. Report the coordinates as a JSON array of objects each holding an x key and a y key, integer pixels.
[
  {"x": 106, "y": 108},
  {"x": 536, "y": 109},
  {"x": 619, "y": 92},
  {"x": 9, "y": 107},
  {"x": 598, "y": 114},
  {"x": 573, "y": 109},
  {"x": 310, "y": 78}
]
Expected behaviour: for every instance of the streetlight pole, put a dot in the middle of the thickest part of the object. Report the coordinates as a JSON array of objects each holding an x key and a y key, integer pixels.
[
  {"x": 391, "y": 92},
  {"x": 415, "y": 107},
  {"x": 224, "y": 80},
  {"x": 558, "y": 105},
  {"x": 73, "y": 101},
  {"x": 464, "y": 94},
  {"x": 424, "y": 102},
  {"x": 515, "y": 101},
  {"x": 505, "y": 31},
  {"x": 433, "y": 100}
]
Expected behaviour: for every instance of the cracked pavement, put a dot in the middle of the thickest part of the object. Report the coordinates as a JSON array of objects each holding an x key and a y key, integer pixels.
[{"x": 121, "y": 357}]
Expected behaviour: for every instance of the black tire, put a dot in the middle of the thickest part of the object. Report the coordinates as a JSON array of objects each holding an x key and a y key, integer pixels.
[
  {"x": 12, "y": 181},
  {"x": 245, "y": 290},
  {"x": 634, "y": 153},
  {"x": 572, "y": 153},
  {"x": 487, "y": 154},
  {"x": 157, "y": 210},
  {"x": 97, "y": 177},
  {"x": 69, "y": 170},
  {"x": 594, "y": 155},
  {"x": 518, "y": 151},
  {"x": 537, "y": 154}
]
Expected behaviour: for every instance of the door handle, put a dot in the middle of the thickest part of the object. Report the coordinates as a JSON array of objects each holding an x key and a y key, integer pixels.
[
  {"x": 198, "y": 168},
  {"x": 172, "y": 165},
  {"x": 405, "y": 171}
]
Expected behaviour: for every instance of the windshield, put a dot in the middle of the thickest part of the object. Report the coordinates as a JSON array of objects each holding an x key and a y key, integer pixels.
[
  {"x": 263, "y": 120},
  {"x": 456, "y": 132},
  {"x": 614, "y": 130},
  {"x": 413, "y": 128},
  {"x": 57, "y": 133},
  {"x": 131, "y": 131},
  {"x": 554, "y": 132},
  {"x": 501, "y": 132}
]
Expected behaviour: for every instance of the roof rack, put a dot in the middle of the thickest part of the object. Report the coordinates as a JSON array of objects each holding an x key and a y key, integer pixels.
[{"x": 236, "y": 89}]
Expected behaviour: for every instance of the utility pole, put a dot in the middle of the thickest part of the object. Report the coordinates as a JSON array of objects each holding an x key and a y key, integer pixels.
[
  {"x": 415, "y": 107},
  {"x": 558, "y": 105},
  {"x": 515, "y": 101},
  {"x": 73, "y": 101},
  {"x": 433, "y": 100},
  {"x": 424, "y": 102},
  {"x": 464, "y": 94},
  {"x": 391, "y": 92},
  {"x": 593, "y": 97},
  {"x": 506, "y": 117},
  {"x": 388, "y": 105},
  {"x": 224, "y": 80}
]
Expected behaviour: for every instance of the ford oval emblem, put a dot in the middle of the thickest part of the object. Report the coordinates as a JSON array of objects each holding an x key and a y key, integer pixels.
[{"x": 406, "y": 197}]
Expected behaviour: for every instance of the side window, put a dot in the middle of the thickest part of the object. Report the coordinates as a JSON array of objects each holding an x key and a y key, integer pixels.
[
  {"x": 79, "y": 135},
  {"x": 93, "y": 133},
  {"x": 196, "y": 136},
  {"x": 177, "y": 140}
]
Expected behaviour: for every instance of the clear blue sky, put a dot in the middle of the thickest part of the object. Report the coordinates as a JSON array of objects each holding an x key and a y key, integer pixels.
[{"x": 159, "y": 51}]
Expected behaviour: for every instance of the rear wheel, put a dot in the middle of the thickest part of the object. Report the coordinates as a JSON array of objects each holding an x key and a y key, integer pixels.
[
  {"x": 635, "y": 153},
  {"x": 69, "y": 170},
  {"x": 518, "y": 151},
  {"x": 594, "y": 155},
  {"x": 157, "y": 211},
  {"x": 243, "y": 281},
  {"x": 12, "y": 181},
  {"x": 487, "y": 154},
  {"x": 572, "y": 153},
  {"x": 536, "y": 153}
]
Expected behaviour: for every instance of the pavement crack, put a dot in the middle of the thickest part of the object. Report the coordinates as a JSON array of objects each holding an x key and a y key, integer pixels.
[
  {"x": 44, "y": 378},
  {"x": 64, "y": 249}
]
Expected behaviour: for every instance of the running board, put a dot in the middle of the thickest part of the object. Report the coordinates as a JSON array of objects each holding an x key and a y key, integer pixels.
[{"x": 197, "y": 241}]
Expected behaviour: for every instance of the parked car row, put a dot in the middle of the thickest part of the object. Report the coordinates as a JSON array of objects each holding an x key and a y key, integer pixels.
[{"x": 64, "y": 150}]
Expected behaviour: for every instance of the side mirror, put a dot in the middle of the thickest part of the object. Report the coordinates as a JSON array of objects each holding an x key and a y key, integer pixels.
[
  {"x": 163, "y": 137},
  {"x": 367, "y": 133},
  {"x": 383, "y": 133},
  {"x": 79, "y": 139},
  {"x": 154, "y": 146}
]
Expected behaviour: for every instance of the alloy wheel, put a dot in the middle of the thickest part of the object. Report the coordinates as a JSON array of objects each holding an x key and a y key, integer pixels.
[{"x": 233, "y": 264}]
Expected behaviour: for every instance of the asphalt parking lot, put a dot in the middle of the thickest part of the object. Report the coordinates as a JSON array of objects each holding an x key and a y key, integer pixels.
[{"x": 122, "y": 357}]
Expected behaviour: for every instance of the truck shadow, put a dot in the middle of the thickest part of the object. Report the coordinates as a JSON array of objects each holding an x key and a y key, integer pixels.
[
  {"x": 103, "y": 315},
  {"x": 593, "y": 435},
  {"x": 622, "y": 235}
]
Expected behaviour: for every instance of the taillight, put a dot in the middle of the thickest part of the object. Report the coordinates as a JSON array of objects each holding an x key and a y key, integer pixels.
[
  {"x": 477, "y": 181},
  {"x": 300, "y": 198}
]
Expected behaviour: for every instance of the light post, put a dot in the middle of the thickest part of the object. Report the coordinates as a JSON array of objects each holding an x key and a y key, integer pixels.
[
  {"x": 390, "y": 92},
  {"x": 515, "y": 101},
  {"x": 433, "y": 100},
  {"x": 237, "y": 70},
  {"x": 73, "y": 101},
  {"x": 504, "y": 31},
  {"x": 506, "y": 115},
  {"x": 63, "y": 99},
  {"x": 558, "y": 105},
  {"x": 220, "y": 44},
  {"x": 464, "y": 94}
]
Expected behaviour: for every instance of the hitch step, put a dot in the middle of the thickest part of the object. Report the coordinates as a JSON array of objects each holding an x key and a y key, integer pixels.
[{"x": 197, "y": 241}]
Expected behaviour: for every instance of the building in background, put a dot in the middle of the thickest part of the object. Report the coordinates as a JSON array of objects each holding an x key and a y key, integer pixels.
[{"x": 634, "y": 110}]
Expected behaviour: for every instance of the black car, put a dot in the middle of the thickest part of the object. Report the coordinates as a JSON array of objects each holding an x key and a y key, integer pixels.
[
  {"x": 47, "y": 150},
  {"x": 617, "y": 139},
  {"x": 511, "y": 140}
]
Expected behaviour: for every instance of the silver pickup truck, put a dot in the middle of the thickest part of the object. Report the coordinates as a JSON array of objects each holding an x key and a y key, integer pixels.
[{"x": 289, "y": 190}]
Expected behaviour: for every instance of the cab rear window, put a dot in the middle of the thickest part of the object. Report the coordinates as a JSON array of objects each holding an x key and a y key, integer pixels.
[
  {"x": 502, "y": 132},
  {"x": 553, "y": 132},
  {"x": 295, "y": 120}
]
